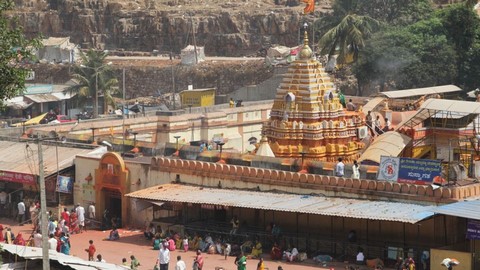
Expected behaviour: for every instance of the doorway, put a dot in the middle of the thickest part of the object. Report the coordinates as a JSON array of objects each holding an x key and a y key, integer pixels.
[{"x": 113, "y": 206}]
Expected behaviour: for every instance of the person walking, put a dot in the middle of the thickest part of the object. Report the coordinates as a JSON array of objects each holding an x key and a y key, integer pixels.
[
  {"x": 21, "y": 212},
  {"x": 198, "y": 261},
  {"x": 91, "y": 211},
  {"x": 241, "y": 262},
  {"x": 81, "y": 217},
  {"x": 163, "y": 257},
  {"x": 180, "y": 264},
  {"x": 340, "y": 168},
  {"x": 355, "y": 170},
  {"x": 91, "y": 251}
]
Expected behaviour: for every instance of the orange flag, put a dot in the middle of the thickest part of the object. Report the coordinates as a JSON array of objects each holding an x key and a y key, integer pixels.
[{"x": 310, "y": 7}]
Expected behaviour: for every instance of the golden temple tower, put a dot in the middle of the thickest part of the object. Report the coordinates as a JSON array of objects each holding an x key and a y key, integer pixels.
[{"x": 307, "y": 117}]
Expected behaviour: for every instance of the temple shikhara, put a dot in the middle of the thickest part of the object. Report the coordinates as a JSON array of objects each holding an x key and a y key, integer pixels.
[{"x": 307, "y": 117}]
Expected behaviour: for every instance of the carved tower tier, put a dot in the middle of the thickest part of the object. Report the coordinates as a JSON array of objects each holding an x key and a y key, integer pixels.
[{"x": 307, "y": 117}]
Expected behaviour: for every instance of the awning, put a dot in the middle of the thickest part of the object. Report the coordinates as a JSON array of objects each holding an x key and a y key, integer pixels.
[
  {"x": 143, "y": 204},
  {"x": 42, "y": 98},
  {"x": 389, "y": 144},
  {"x": 432, "y": 106},
  {"x": 421, "y": 91},
  {"x": 34, "y": 121},
  {"x": 294, "y": 203},
  {"x": 372, "y": 104},
  {"x": 33, "y": 253},
  {"x": 465, "y": 209}
]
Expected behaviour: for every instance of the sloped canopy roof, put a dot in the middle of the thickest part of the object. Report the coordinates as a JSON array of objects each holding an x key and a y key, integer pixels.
[
  {"x": 432, "y": 106},
  {"x": 372, "y": 104},
  {"x": 388, "y": 144},
  {"x": 421, "y": 91}
]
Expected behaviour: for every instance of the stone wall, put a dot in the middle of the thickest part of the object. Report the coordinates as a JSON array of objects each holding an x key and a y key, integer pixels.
[
  {"x": 226, "y": 76},
  {"x": 311, "y": 183}
]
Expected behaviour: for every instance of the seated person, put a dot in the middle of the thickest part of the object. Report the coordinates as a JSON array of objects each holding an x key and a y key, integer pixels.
[
  {"x": 291, "y": 256},
  {"x": 149, "y": 232},
  {"x": 171, "y": 244},
  {"x": 114, "y": 235},
  {"x": 257, "y": 249},
  {"x": 276, "y": 253},
  {"x": 157, "y": 242},
  {"x": 246, "y": 247},
  {"x": 360, "y": 258}
]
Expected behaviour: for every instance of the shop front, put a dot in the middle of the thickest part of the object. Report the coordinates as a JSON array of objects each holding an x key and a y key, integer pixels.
[{"x": 15, "y": 186}]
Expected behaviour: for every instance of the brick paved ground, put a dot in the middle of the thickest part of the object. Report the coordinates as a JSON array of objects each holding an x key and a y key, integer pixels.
[{"x": 133, "y": 242}]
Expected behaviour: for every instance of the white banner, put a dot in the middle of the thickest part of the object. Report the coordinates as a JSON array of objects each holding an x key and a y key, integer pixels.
[{"x": 388, "y": 169}]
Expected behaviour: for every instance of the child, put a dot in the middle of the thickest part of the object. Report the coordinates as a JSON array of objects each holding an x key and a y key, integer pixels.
[
  {"x": 185, "y": 243},
  {"x": 91, "y": 250}
]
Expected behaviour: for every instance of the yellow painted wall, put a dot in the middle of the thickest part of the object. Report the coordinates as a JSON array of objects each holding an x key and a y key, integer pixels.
[{"x": 198, "y": 98}]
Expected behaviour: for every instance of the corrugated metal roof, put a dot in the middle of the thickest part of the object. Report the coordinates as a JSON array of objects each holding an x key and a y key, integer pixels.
[
  {"x": 42, "y": 98},
  {"x": 465, "y": 209},
  {"x": 33, "y": 253},
  {"x": 17, "y": 157},
  {"x": 421, "y": 91},
  {"x": 389, "y": 144},
  {"x": 295, "y": 203}
]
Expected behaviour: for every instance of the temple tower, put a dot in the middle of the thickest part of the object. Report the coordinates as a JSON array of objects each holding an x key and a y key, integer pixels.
[{"x": 307, "y": 117}]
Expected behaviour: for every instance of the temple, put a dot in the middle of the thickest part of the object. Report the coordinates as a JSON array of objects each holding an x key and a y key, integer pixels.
[{"x": 308, "y": 119}]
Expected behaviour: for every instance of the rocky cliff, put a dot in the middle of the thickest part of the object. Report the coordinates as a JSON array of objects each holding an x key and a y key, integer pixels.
[{"x": 235, "y": 28}]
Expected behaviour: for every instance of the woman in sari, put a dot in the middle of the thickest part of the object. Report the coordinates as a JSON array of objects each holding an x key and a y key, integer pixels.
[
  {"x": 1, "y": 234},
  {"x": 74, "y": 223},
  {"x": 65, "y": 247},
  {"x": 19, "y": 240}
]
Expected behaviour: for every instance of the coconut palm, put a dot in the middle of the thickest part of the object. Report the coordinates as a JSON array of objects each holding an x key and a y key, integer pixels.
[
  {"x": 348, "y": 36},
  {"x": 94, "y": 77}
]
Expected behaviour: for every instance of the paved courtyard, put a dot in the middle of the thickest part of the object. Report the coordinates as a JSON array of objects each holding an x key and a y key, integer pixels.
[{"x": 133, "y": 242}]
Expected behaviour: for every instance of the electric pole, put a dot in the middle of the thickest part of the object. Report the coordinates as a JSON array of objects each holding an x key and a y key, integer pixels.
[{"x": 43, "y": 208}]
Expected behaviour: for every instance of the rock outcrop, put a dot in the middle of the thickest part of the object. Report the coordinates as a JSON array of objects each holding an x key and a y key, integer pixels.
[{"x": 236, "y": 28}]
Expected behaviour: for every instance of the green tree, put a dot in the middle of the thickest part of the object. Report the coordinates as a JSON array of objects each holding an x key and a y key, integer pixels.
[
  {"x": 348, "y": 37},
  {"x": 15, "y": 51},
  {"x": 94, "y": 77},
  {"x": 419, "y": 55}
]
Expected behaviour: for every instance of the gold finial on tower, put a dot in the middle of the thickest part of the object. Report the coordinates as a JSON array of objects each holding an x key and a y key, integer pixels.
[{"x": 306, "y": 52}]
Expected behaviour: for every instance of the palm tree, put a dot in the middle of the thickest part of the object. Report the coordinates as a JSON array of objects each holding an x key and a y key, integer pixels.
[
  {"x": 94, "y": 77},
  {"x": 348, "y": 36}
]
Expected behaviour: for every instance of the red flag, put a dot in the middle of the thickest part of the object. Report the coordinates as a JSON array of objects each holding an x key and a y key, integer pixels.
[{"x": 310, "y": 7}]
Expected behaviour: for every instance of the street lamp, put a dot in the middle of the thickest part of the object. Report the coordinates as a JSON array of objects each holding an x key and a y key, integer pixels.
[
  {"x": 221, "y": 148},
  {"x": 96, "y": 70},
  {"x": 176, "y": 138}
]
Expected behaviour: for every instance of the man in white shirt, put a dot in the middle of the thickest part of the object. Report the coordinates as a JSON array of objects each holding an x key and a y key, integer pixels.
[
  {"x": 91, "y": 211},
  {"x": 21, "y": 212},
  {"x": 52, "y": 243},
  {"x": 180, "y": 264},
  {"x": 81, "y": 216},
  {"x": 163, "y": 256},
  {"x": 340, "y": 168},
  {"x": 37, "y": 239},
  {"x": 360, "y": 258}
]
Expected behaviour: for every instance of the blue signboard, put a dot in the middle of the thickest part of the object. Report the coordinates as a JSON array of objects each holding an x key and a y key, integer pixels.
[
  {"x": 473, "y": 229},
  {"x": 64, "y": 184},
  {"x": 418, "y": 171}
]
